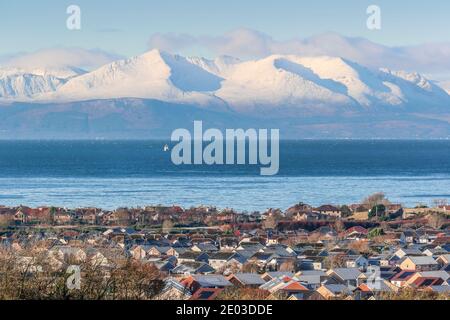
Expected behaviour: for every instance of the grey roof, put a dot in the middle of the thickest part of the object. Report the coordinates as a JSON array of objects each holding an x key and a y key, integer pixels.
[
  {"x": 172, "y": 283},
  {"x": 347, "y": 273},
  {"x": 311, "y": 276},
  {"x": 247, "y": 253},
  {"x": 423, "y": 260},
  {"x": 249, "y": 278},
  {"x": 411, "y": 251},
  {"x": 280, "y": 251},
  {"x": 212, "y": 281},
  {"x": 191, "y": 255},
  {"x": 444, "y": 275},
  {"x": 192, "y": 267},
  {"x": 277, "y": 274},
  {"x": 221, "y": 256},
  {"x": 207, "y": 247},
  {"x": 161, "y": 249},
  {"x": 240, "y": 258},
  {"x": 337, "y": 288}
]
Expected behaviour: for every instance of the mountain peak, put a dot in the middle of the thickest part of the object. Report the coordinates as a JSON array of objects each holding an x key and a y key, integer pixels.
[{"x": 314, "y": 83}]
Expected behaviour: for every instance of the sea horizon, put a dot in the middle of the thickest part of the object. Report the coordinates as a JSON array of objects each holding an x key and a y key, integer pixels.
[{"x": 115, "y": 173}]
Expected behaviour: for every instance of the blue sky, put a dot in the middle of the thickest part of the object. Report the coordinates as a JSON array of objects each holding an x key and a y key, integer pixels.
[
  {"x": 414, "y": 36},
  {"x": 124, "y": 27}
]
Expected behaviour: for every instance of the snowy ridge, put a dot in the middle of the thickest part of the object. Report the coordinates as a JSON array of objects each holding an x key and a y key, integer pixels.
[{"x": 278, "y": 82}]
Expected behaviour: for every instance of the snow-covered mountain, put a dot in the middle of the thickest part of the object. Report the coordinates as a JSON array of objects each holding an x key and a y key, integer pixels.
[
  {"x": 286, "y": 84},
  {"x": 25, "y": 84}
]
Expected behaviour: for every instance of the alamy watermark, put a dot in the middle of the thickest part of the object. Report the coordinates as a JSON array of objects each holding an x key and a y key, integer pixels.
[
  {"x": 73, "y": 281},
  {"x": 73, "y": 22},
  {"x": 236, "y": 146},
  {"x": 374, "y": 279},
  {"x": 374, "y": 19}
]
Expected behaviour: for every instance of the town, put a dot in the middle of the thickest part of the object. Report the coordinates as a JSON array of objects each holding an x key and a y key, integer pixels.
[{"x": 373, "y": 250}]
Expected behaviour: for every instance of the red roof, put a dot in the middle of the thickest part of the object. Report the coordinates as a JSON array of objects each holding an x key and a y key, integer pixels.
[
  {"x": 427, "y": 282},
  {"x": 404, "y": 275},
  {"x": 295, "y": 286},
  {"x": 206, "y": 294},
  {"x": 357, "y": 229},
  {"x": 364, "y": 288}
]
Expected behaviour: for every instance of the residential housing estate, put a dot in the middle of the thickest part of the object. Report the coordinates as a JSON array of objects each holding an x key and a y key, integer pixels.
[{"x": 302, "y": 253}]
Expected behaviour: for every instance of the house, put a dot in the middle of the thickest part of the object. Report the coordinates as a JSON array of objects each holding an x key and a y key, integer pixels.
[
  {"x": 276, "y": 274},
  {"x": 429, "y": 274},
  {"x": 367, "y": 291},
  {"x": 408, "y": 236},
  {"x": 299, "y": 208},
  {"x": 359, "y": 262},
  {"x": 69, "y": 254},
  {"x": 237, "y": 260},
  {"x": 423, "y": 263},
  {"x": 304, "y": 216},
  {"x": 191, "y": 256},
  {"x": 139, "y": 252},
  {"x": 173, "y": 290},
  {"x": 219, "y": 260},
  {"x": 330, "y": 291},
  {"x": 163, "y": 265},
  {"x": 250, "y": 246},
  {"x": 87, "y": 216},
  {"x": 61, "y": 217},
  {"x": 157, "y": 251},
  {"x": 346, "y": 276},
  {"x": 425, "y": 282},
  {"x": 400, "y": 253},
  {"x": 401, "y": 278},
  {"x": 284, "y": 285},
  {"x": 262, "y": 259},
  {"x": 356, "y": 233},
  {"x": 25, "y": 215},
  {"x": 443, "y": 260},
  {"x": 329, "y": 210},
  {"x": 188, "y": 268},
  {"x": 204, "y": 247},
  {"x": 251, "y": 280},
  {"x": 228, "y": 243},
  {"x": 293, "y": 287},
  {"x": 311, "y": 263},
  {"x": 20, "y": 217},
  {"x": 435, "y": 252},
  {"x": 96, "y": 258},
  {"x": 176, "y": 251},
  {"x": 196, "y": 281},
  {"x": 311, "y": 278},
  {"x": 109, "y": 218}
]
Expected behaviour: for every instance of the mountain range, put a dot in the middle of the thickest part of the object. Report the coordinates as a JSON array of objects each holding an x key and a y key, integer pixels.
[{"x": 148, "y": 96}]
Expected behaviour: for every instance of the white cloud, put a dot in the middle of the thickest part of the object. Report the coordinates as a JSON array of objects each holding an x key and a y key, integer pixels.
[
  {"x": 60, "y": 57},
  {"x": 171, "y": 42},
  {"x": 246, "y": 43}
]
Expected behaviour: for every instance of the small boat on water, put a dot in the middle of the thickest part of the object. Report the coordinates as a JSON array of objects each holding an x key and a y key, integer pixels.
[{"x": 166, "y": 148}]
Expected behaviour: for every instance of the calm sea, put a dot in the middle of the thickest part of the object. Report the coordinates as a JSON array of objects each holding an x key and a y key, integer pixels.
[{"x": 112, "y": 174}]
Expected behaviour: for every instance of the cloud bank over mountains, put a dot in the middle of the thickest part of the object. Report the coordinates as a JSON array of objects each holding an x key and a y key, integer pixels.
[
  {"x": 431, "y": 58},
  {"x": 60, "y": 58}
]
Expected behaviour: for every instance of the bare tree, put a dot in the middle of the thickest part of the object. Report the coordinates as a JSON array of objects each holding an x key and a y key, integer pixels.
[{"x": 376, "y": 199}]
